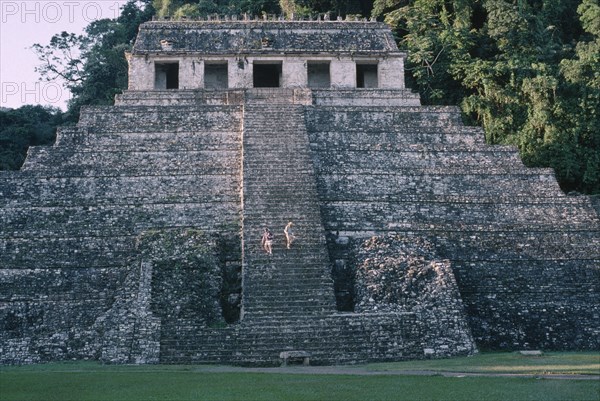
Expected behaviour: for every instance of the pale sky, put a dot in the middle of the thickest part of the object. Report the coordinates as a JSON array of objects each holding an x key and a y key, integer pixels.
[{"x": 25, "y": 22}]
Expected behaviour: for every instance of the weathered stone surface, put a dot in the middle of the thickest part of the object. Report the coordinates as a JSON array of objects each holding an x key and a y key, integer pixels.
[
  {"x": 136, "y": 237},
  {"x": 525, "y": 256},
  {"x": 247, "y": 36},
  {"x": 70, "y": 270},
  {"x": 596, "y": 203},
  {"x": 400, "y": 274}
]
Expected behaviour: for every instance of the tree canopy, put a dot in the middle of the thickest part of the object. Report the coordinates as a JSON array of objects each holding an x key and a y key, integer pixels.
[
  {"x": 196, "y": 8},
  {"x": 24, "y": 127},
  {"x": 93, "y": 65},
  {"x": 528, "y": 71}
]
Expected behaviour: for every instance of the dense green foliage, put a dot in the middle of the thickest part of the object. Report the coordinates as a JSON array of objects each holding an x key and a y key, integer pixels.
[
  {"x": 196, "y": 8},
  {"x": 528, "y": 71},
  {"x": 187, "y": 8},
  {"x": 24, "y": 127}
]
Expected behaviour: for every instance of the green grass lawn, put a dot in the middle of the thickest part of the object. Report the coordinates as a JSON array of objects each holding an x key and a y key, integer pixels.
[
  {"x": 506, "y": 362},
  {"x": 92, "y": 381}
]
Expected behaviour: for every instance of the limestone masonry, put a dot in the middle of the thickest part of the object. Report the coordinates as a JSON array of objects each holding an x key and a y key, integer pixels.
[{"x": 136, "y": 238}]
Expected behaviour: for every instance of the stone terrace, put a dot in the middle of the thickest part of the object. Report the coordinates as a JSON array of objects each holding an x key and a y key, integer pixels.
[
  {"x": 526, "y": 257},
  {"x": 70, "y": 217}
]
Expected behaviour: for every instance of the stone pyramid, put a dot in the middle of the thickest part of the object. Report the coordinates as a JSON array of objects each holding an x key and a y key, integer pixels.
[{"x": 136, "y": 238}]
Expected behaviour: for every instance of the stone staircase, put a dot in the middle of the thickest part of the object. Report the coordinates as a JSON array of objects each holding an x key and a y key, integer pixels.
[
  {"x": 287, "y": 295},
  {"x": 279, "y": 186},
  {"x": 288, "y": 300},
  {"x": 329, "y": 339}
]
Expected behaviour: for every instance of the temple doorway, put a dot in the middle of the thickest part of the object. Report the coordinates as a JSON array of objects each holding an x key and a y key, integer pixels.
[
  {"x": 318, "y": 74},
  {"x": 366, "y": 76},
  {"x": 166, "y": 75},
  {"x": 216, "y": 75},
  {"x": 267, "y": 75}
]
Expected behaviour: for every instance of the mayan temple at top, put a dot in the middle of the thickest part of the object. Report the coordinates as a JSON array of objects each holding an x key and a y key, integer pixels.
[{"x": 136, "y": 238}]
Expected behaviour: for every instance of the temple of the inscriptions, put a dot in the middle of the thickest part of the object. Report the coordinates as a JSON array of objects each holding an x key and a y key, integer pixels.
[
  {"x": 137, "y": 236},
  {"x": 253, "y": 54}
]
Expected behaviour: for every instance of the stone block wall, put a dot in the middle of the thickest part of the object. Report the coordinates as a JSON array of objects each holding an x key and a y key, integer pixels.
[
  {"x": 526, "y": 257},
  {"x": 400, "y": 274},
  {"x": 69, "y": 219},
  {"x": 248, "y": 37},
  {"x": 342, "y": 71},
  {"x": 48, "y": 314}
]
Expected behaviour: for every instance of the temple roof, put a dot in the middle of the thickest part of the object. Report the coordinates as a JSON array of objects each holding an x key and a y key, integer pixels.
[{"x": 264, "y": 37}]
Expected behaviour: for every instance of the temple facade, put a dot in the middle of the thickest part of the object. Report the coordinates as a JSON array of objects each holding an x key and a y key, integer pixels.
[{"x": 258, "y": 54}]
